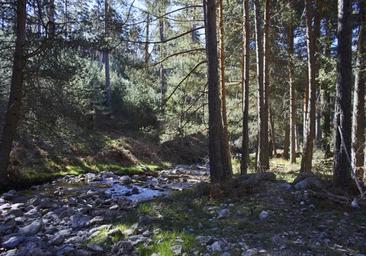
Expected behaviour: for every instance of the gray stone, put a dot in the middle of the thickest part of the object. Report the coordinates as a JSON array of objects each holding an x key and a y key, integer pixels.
[
  {"x": 177, "y": 249},
  {"x": 311, "y": 182},
  {"x": 223, "y": 213},
  {"x": 122, "y": 248},
  {"x": 13, "y": 242},
  {"x": 135, "y": 190},
  {"x": 13, "y": 252},
  {"x": 250, "y": 252},
  {"x": 125, "y": 180},
  {"x": 96, "y": 220},
  {"x": 9, "y": 195},
  {"x": 65, "y": 250},
  {"x": 78, "y": 221},
  {"x": 216, "y": 247},
  {"x": 95, "y": 247},
  {"x": 263, "y": 215},
  {"x": 31, "y": 229},
  {"x": 114, "y": 207}
]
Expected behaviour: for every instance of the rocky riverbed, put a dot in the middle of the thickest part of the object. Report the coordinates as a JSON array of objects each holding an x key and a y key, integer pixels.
[
  {"x": 106, "y": 214},
  {"x": 59, "y": 218}
]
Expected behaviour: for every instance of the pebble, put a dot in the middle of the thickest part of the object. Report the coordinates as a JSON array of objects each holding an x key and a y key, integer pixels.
[
  {"x": 263, "y": 215},
  {"x": 13, "y": 242}
]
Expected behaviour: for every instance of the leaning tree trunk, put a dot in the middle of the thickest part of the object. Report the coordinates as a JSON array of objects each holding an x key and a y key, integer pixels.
[
  {"x": 262, "y": 153},
  {"x": 227, "y": 153},
  {"x": 245, "y": 86},
  {"x": 342, "y": 116},
  {"x": 306, "y": 161},
  {"x": 358, "y": 137},
  {"x": 220, "y": 170},
  {"x": 290, "y": 53},
  {"x": 16, "y": 89}
]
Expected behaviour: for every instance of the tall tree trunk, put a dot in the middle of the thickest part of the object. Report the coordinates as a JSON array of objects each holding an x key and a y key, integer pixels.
[
  {"x": 51, "y": 27},
  {"x": 307, "y": 157},
  {"x": 358, "y": 136},
  {"x": 227, "y": 153},
  {"x": 147, "y": 55},
  {"x": 16, "y": 89},
  {"x": 318, "y": 126},
  {"x": 245, "y": 86},
  {"x": 220, "y": 170},
  {"x": 286, "y": 142},
  {"x": 318, "y": 131},
  {"x": 263, "y": 158},
  {"x": 108, "y": 94},
  {"x": 163, "y": 84},
  {"x": 342, "y": 116},
  {"x": 293, "y": 127},
  {"x": 273, "y": 149},
  {"x": 66, "y": 17},
  {"x": 327, "y": 134}
]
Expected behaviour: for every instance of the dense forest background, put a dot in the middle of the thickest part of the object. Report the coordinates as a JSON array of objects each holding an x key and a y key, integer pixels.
[
  {"x": 95, "y": 71},
  {"x": 174, "y": 127}
]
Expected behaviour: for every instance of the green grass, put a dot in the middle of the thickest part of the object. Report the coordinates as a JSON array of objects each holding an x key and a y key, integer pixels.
[
  {"x": 49, "y": 170},
  {"x": 164, "y": 241}
]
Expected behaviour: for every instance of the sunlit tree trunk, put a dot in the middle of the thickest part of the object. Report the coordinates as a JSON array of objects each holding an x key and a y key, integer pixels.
[
  {"x": 358, "y": 132},
  {"x": 342, "y": 117},
  {"x": 327, "y": 106},
  {"x": 307, "y": 157},
  {"x": 245, "y": 86},
  {"x": 293, "y": 126},
  {"x": 16, "y": 90},
  {"x": 262, "y": 154},
  {"x": 220, "y": 170},
  {"x": 222, "y": 80},
  {"x": 286, "y": 142},
  {"x": 108, "y": 93}
]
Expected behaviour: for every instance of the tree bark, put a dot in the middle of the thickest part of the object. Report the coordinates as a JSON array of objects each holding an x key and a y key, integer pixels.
[
  {"x": 147, "y": 55},
  {"x": 307, "y": 157},
  {"x": 358, "y": 137},
  {"x": 263, "y": 158},
  {"x": 51, "y": 27},
  {"x": 16, "y": 89},
  {"x": 286, "y": 142},
  {"x": 227, "y": 153},
  {"x": 327, "y": 123},
  {"x": 272, "y": 149},
  {"x": 245, "y": 86},
  {"x": 318, "y": 131},
  {"x": 108, "y": 94},
  {"x": 293, "y": 127},
  {"x": 220, "y": 170},
  {"x": 163, "y": 84},
  {"x": 342, "y": 117}
]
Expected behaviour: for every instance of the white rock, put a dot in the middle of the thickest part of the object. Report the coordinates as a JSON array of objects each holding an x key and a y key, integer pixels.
[
  {"x": 263, "y": 215},
  {"x": 216, "y": 247}
]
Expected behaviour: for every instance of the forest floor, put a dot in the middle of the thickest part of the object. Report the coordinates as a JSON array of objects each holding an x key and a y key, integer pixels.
[{"x": 175, "y": 212}]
